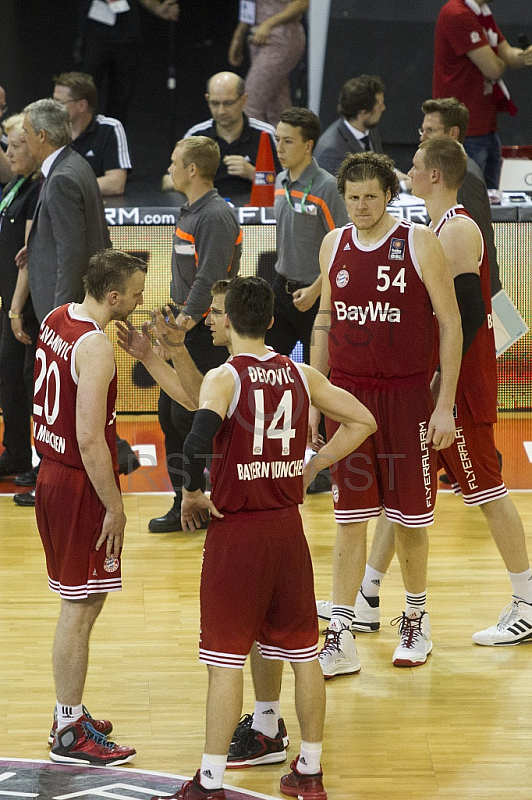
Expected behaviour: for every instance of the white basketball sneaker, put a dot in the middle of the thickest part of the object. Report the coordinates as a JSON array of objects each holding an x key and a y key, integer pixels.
[
  {"x": 339, "y": 654},
  {"x": 416, "y": 643},
  {"x": 367, "y": 613},
  {"x": 514, "y": 626}
]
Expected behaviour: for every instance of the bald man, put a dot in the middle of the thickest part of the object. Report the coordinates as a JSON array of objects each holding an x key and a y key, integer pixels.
[{"x": 237, "y": 135}]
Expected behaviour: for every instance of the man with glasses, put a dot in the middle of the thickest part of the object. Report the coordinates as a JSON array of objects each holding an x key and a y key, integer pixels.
[
  {"x": 448, "y": 117},
  {"x": 237, "y": 135}
]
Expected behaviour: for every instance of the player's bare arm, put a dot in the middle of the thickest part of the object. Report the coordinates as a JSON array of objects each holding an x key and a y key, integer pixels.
[
  {"x": 356, "y": 422},
  {"x": 215, "y": 396},
  {"x": 95, "y": 367},
  {"x": 319, "y": 343},
  {"x": 171, "y": 332},
  {"x": 439, "y": 284},
  {"x": 172, "y": 380},
  {"x": 462, "y": 245}
]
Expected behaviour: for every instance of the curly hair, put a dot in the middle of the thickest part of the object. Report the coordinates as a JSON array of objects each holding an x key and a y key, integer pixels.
[{"x": 358, "y": 167}]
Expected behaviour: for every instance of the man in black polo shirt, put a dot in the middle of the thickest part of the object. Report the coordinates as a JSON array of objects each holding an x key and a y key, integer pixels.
[
  {"x": 237, "y": 135},
  {"x": 100, "y": 140}
]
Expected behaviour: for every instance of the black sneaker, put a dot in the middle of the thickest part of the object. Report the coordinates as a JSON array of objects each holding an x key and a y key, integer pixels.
[
  {"x": 252, "y": 748},
  {"x": 80, "y": 743},
  {"x": 246, "y": 722}
]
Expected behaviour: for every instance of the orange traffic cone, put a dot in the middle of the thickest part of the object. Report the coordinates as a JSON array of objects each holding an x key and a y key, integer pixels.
[{"x": 263, "y": 190}]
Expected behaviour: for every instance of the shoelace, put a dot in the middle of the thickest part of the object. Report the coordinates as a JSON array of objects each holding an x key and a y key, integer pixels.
[
  {"x": 99, "y": 738},
  {"x": 508, "y": 615},
  {"x": 245, "y": 739},
  {"x": 409, "y": 629},
  {"x": 245, "y": 724},
  {"x": 332, "y": 640}
]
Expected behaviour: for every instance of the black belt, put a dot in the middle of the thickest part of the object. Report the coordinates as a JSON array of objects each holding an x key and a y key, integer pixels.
[{"x": 292, "y": 286}]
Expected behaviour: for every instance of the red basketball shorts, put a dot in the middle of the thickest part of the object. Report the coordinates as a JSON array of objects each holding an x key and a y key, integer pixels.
[
  {"x": 257, "y": 585},
  {"x": 69, "y": 517},
  {"x": 471, "y": 462},
  {"x": 394, "y": 468}
]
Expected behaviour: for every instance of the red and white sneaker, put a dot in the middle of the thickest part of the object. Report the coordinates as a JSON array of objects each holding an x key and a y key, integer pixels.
[
  {"x": 80, "y": 743},
  {"x": 416, "y": 643},
  {"x": 193, "y": 790},
  {"x": 103, "y": 726},
  {"x": 304, "y": 787}
]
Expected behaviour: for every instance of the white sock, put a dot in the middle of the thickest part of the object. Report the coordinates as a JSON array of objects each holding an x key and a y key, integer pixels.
[
  {"x": 66, "y": 715},
  {"x": 415, "y": 604},
  {"x": 212, "y": 771},
  {"x": 266, "y": 718},
  {"x": 522, "y": 585},
  {"x": 344, "y": 614},
  {"x": 309, "y": 758},
  {"x": 372, "y": 581}
]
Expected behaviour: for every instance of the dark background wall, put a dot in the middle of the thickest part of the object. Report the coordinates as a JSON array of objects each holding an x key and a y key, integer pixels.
[
  {"x": 394, "y": 39},
  {"x": 391, "y": 38},
  {"x": 37, "y": 41}
]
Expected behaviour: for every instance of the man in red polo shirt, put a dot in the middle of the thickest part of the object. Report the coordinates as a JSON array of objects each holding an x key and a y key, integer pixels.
[{"x": 470, "y": 57}]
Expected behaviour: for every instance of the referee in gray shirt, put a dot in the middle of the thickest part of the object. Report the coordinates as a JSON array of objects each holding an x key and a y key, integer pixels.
[{"x": 307, "y": 206}]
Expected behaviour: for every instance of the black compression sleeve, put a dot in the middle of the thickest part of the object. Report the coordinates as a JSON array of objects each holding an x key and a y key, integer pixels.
[
  {"x": 198, "y": 445},
  {"x": 471, "y": 305}
]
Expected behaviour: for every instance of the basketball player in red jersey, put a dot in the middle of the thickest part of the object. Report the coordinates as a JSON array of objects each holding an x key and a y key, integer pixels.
[
  {"x": 74, "y": 426},
  {"x": 471, "y": 461},
  {"x": 257, "y": 582},
  {"x": 382, "y": 279}
]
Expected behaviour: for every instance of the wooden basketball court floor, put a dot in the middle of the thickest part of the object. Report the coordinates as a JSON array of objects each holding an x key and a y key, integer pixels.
[{"x": 459, "y": 727}]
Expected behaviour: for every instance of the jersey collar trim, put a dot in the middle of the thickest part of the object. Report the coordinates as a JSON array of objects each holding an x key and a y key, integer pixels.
[{"x": 369, "y": 248}]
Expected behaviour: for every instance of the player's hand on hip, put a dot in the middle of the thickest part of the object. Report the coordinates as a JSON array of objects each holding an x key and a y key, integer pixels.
[
  {"x": 195, "y": 508},
  {"x": 112, "y": 533},
  {"x": 314, "y": 439},
  {"x": 441, "y": 430}
]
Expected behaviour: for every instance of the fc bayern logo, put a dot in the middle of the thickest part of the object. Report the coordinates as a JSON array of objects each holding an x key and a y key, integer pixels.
[
  {"x": 111, "y": 564},
  {"x": 342, "y": 279},
  {"x": 335, "y": 492}
]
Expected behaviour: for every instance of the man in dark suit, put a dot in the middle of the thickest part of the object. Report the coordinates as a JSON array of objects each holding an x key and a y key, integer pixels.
[
  {"x": 69, "y": 224},
  {"x": 361, "y": 103}
]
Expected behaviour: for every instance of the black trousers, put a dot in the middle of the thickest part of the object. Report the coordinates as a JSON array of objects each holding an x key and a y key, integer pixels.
[
  {"x": 290, "y": 325},
  {"x": 114, "y": 68},
  {"x": 16, "y": 390},
  {"x": 175, "y": 420}
]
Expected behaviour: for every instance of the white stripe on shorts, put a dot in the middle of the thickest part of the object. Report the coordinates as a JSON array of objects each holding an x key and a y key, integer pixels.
[{"x": 280, "y": 654}]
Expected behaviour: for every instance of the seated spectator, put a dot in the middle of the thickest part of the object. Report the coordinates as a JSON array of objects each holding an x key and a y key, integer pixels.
[
  {"x": 361, "y": 103},
  {"x": 237, "y": 135},
  {"x": 100, "y": 140}
]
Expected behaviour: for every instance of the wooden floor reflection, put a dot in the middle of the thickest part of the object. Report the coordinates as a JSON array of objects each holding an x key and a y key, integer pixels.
[{"x": 460, "y": 727}]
